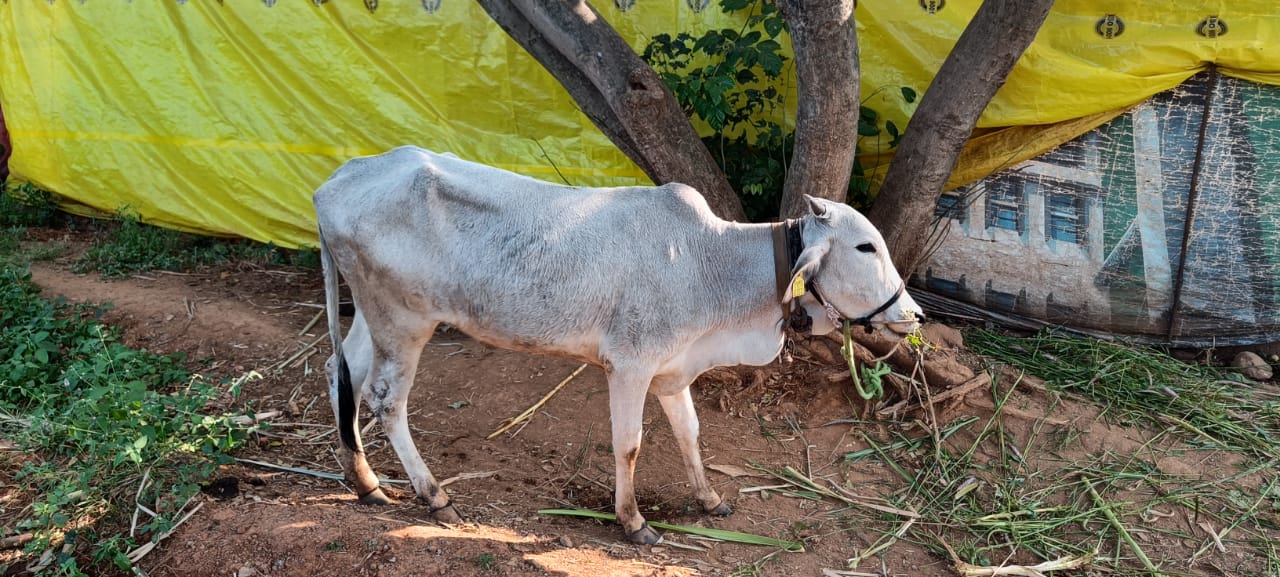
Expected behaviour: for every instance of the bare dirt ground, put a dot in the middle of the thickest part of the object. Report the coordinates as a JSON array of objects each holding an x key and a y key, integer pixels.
[{"x": 269, "y": 522}]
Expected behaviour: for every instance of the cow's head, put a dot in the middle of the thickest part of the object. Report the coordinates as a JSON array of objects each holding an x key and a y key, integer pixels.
[{"x": 846, "y": 263}]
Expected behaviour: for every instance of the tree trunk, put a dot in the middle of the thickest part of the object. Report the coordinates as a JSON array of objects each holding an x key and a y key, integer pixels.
[
  {"x": 976, "y": 68},
  {"x": 618, "y": 91},
  {"x": 826, "y": 60}
]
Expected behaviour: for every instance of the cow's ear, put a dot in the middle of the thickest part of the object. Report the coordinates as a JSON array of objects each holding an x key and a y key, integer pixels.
[
  {"x": 806, "y": 266},
  {"x": 816, "y": 206}
]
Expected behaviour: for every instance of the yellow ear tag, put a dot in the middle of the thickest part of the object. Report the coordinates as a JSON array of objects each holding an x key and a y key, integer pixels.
[{"x": 797, "y": 287}]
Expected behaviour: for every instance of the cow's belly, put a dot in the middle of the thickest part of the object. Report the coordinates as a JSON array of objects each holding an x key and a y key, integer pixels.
[{"x": 578, "y": 345}]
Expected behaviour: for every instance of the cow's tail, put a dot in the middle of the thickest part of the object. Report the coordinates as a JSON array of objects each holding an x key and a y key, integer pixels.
[{"x": 341, "y": 376}]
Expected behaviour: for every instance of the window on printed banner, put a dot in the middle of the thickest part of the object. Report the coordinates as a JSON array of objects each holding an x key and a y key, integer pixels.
[
  {"x": 1064, "y": 217},
  {"x": 950, "y": 205},
  {"x": 1004, "y": 207}
]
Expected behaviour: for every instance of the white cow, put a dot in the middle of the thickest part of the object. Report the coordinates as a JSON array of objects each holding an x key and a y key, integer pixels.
[{"x": 644, "y": 282}]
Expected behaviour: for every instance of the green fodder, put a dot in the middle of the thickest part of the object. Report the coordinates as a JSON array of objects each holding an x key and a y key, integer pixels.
[
  {"x": 1146, "y": 385},
  {"x": 982, "y": 495},
  {"x": 102, "y": 425}
]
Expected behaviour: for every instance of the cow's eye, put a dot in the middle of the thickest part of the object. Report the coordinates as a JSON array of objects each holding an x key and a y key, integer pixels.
[{"x": 866, "y": 247}]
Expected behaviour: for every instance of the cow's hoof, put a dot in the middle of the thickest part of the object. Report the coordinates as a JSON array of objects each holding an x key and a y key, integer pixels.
[
  {"x": 375, "y": 497},
  {"x": 721, "y": 510},
  {"x": 446, "y": 514},
  {"x": 645, "y": 535}
]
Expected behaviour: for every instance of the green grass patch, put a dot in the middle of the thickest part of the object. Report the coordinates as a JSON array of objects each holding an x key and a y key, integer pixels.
[
  {"x": 16, "y": 252},
  {"x": 117, "y": 439},
  {"x": 1210, "y": 407},
  {"x": 25, "y": 204},
  {"x": 135, "y": 247}
]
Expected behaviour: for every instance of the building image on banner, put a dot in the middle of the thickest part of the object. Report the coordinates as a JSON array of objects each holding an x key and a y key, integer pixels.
[{"x": 1163, "y": 223}]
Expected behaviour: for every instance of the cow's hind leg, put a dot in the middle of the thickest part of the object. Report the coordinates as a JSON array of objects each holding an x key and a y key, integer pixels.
[
  {"x": 350, "y": 373},
  {"x": 389, "y": 385},
  {"x": 627, "y": 390},
  {"x": 684, "y": 423}
]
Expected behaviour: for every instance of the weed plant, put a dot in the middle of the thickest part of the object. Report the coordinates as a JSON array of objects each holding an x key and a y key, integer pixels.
[
  {"x": 24, "y": 205},
  {"x": 136, "y": 247},
  {"x": 103, "y": 427}
]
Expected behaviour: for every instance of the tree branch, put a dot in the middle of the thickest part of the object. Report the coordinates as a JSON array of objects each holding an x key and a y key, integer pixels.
[
  {"x": 618, "y": 91},
  {"x": 976, "y": 68}
]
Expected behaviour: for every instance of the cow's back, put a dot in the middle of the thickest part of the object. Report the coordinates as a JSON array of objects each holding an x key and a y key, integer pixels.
[{"x": 517, "y": 261}]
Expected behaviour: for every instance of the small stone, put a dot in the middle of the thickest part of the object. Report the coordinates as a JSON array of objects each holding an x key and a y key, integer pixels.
[
  {"x": 246, "y": 571},
  {"x": 566, "y": 541},
  {"x": 1251, "y": 365}
]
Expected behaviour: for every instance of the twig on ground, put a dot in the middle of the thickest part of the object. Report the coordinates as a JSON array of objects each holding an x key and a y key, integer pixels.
[
  {"x": 883, "y": 543},
  {"x": 467, "y": 476},
  {"x": 312, "y": 323},
  {"x": 507, "y": 425},
  {"x": 133, "y": 525},
  {"x": 138, "y": 553},
  {"x": 1061, "y": 564},
  {"x": 301, "y": 471},
  {"x": 15, "y": 541},
  {"x": 304, "y": 350},
  {"x": 1217, "y": 539},
  {"x": 982, "y": 403},
  {"x": 246, "y": 420},
  {"x": 962, "y": 390},
  {"x": 834, "y": 573}
]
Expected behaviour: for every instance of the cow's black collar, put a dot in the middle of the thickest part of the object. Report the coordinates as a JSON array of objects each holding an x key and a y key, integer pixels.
[{"x": 787, "y": 246}]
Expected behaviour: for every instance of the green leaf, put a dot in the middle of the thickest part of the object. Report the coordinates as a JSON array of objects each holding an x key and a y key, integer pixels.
[
  {"x": 708, "y": 42},
  {"x": 771, "y": 63},
  {"x": 908, "y": 94},
  {"x": 731, "y": 536},
  {"x": 867, "y": 122},
  {"x": 773, "y": 26}
]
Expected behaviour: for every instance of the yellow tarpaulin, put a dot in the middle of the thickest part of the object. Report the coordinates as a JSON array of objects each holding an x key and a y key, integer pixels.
[
  {"x": 222, "y": 116},
  {"x": 1091, "y": 60}
]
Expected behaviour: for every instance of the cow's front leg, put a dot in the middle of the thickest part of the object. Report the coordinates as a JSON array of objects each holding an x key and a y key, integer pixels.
[
  {"x": 627, "y": 389},
  {"x": 684, "y": 423}
]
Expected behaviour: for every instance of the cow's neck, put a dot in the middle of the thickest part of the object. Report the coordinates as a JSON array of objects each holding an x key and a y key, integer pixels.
[{"x": 746, "y": 325}]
